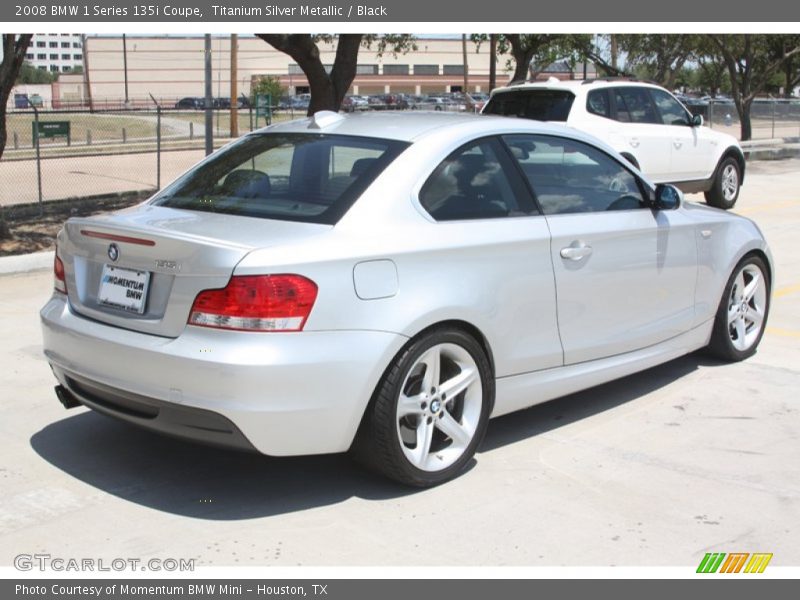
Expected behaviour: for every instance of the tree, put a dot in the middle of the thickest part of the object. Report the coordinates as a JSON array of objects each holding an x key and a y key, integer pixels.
[
  {"x": 267, "y": 84},
  {"x": 661, "y": 56},
  {"x": 328, "y": 87},
  {"x": 532, "y": 53},
  {"x": 538, "y": 50},
  {"x": 790, "y": 73},
  {"x": 751, "y": 60},
  {"x": 14, "y": 47},
  {"x": 30, "y": 74}
]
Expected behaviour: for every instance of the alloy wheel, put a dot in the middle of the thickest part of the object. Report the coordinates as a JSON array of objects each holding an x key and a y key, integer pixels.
[{"x": 439, "y": 407}]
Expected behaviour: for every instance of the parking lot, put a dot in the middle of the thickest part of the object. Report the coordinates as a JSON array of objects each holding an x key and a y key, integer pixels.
[{"x": 655, "y": 469}]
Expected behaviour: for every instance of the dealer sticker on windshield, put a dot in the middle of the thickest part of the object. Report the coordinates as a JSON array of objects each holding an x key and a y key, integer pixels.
[{"x": 124, "y": 288}]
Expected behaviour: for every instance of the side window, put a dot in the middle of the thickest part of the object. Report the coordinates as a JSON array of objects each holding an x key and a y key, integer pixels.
[
  {"x": 672, "y": 113},
  {"x": 597, "y": 103},
  {"x": 572, "y": 177},
  {"x": 473, "y": 183},
  {"x": 635, "y": 106}
]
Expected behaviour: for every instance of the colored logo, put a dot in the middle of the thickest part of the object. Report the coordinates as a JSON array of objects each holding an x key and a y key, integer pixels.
[
  {"x": 113, "y": 252},
  {"x": 734, "y": 562}
]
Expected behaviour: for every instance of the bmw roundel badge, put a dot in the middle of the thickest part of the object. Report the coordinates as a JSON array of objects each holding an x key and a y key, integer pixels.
[{"x": 113, "y": 252}]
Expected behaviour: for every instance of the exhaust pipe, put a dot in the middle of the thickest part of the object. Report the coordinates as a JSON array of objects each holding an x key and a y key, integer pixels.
[{"x": 66, "y": 398}]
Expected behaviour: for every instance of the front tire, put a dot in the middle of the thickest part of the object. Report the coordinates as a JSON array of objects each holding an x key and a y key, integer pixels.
[
  {"x": 742, "y": 313},
  {"x": 430, "y": 410},
  {"x": 727, "y": 181}
]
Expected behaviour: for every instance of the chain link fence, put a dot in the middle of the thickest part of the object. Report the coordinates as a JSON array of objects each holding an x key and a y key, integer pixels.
[
  {"x": 97, "y": 154},
  {"x": 769, "y": 118}
]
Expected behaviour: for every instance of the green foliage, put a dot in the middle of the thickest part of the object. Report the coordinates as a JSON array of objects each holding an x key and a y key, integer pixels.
[
  {"x": 28, "y": 74},
  {"x": 396, "y": 43},
  {"x": 268, "y": 84},
  {"x": 537, "y": 50},
  {"x": 660, "y": 57}
]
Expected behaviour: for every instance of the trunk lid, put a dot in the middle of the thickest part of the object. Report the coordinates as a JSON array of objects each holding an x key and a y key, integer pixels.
[{"x": 164, "y": 256}]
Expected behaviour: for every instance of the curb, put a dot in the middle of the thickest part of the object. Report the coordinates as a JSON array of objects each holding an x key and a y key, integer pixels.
[{"x": 21, "y": 263}]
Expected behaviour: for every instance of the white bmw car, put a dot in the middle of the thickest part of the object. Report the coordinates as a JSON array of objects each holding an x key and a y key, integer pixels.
[{"x": 385, "y": 283}]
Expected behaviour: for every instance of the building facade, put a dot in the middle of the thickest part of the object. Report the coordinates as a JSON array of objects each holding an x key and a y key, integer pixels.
[
  {"x": 172, "y": 67},
  {"x": 56, "y": 52}
]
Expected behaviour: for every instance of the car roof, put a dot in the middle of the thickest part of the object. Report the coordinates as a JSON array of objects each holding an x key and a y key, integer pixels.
[
  {"x": 576, "y": 86},
  {"x": 411, "y": 126}
]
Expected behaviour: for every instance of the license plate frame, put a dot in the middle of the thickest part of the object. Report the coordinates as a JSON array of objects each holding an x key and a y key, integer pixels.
[{"x": 124, "y": 289}]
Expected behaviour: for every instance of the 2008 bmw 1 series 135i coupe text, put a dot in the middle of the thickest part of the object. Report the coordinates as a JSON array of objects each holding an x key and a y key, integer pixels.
[{"x": 385, "y": 283}]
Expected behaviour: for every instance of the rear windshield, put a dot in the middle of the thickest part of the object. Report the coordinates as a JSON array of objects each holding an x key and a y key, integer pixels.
[
  {"x": 312, "y": 178},
  {"x": 542, "y": 105}
]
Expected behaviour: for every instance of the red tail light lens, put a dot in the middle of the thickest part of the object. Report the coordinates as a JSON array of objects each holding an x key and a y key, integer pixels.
[
  {"x": 256, "y": 303},
  {"x": 59, "y": 277}
]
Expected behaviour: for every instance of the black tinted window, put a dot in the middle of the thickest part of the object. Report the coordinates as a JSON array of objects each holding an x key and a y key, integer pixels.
[
  {"x": 597, "y": 103},
  {"x": 634, "y": 106},
  {"x": 542, "y": 105},
  {"x": 295, "y": 177},
  {"x": 572, "y": 177},
  {"x": 472, "y": 183}
]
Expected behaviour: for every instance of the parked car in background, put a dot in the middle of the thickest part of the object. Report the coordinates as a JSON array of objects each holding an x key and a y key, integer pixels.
[
  {"x": 191, "y": 103},
  {"x": 641, "y": 121},
  {"x": 385, "y": 283},
  {"x": 353, "y": 103},
  {"x": 478, "y": 100}
]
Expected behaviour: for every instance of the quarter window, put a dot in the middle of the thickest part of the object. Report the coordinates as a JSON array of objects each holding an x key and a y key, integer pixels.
[
  {"x": 597, "y": 103},
  {"x": 567, "y": 176},
  {"x": 672, "y": 112},
  {"x": 635, "y": 106},
  {"x": 472, "y": 183}
]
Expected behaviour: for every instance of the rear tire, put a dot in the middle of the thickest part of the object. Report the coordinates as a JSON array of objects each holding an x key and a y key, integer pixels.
[
  {"x": 430, "y": 410},
  {"x": 727, "y": 181},
  {"x": 742, "y": 314}
]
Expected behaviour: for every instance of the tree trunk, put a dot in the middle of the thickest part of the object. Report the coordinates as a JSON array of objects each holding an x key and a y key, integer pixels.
[
  {"x": 327, "y": 90},
  {"x": 522, "y": 65},
  {"x": 492, "y": 61},
  {"x": 13, "y": 56},
  {"x": 3, "y": 132},
  {"x": 523, "y": 54},
  {"x": 744, "y": 115}
]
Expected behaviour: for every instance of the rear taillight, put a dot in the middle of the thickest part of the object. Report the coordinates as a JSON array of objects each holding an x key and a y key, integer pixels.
[
  {"x": 59, "y": 278},
  {"x": 256, "y": 303}
]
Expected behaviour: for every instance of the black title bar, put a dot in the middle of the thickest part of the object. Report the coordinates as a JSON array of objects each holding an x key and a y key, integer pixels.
[{"x": 388, "y": 11}]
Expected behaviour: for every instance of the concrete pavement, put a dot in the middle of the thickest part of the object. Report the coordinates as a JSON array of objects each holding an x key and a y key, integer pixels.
[{"x": 655, "y": 469}]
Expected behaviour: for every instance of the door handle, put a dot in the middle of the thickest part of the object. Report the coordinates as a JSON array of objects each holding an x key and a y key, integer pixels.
[
  {"x": 576, "y": 251},
  {"x": 677, "y": 143},
  {"x": 634, "y": 142}
]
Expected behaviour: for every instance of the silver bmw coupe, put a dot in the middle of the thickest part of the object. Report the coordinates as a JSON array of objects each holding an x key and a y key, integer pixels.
[{"x": 385, "y": 283}]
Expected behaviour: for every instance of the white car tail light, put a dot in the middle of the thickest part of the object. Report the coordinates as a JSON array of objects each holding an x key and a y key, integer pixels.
[{"x": 256, "y": 303}]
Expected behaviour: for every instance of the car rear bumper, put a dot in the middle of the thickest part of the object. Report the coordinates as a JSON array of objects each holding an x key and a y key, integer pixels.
[
  {"x": 279, "y": 393},
  {"x": 186, "y": 422}
]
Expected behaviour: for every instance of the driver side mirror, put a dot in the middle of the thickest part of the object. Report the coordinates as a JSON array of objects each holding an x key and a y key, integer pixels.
[
  {"x": 668, "y": 197},
  {"x": 697, "y": 121}
]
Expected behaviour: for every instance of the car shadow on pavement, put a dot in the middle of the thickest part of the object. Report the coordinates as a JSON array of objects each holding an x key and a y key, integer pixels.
[
  {"x": 203, "y": 482},
  {"x": 195, "y": 480}
]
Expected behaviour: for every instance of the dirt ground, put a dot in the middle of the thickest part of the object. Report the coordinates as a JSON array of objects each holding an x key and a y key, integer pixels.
[{"x": 27, "y": 231}]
